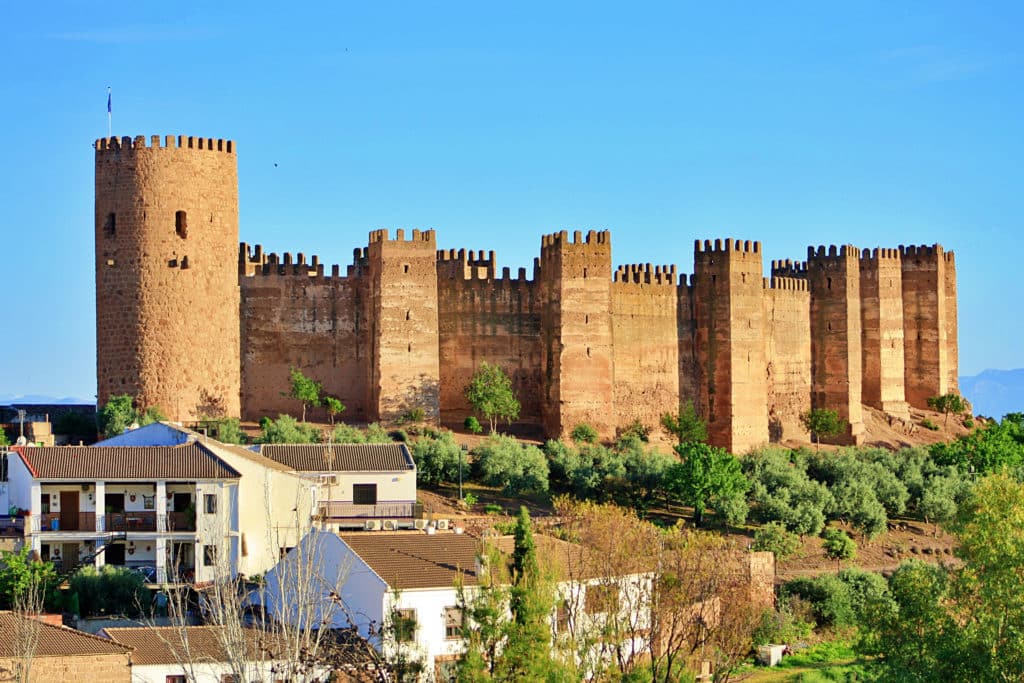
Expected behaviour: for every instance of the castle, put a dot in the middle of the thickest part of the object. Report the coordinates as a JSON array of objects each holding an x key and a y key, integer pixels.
[{"x": 186, "y": 315}]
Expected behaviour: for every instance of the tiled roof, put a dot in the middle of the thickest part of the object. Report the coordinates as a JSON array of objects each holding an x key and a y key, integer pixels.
[
  {"x": 188, "y": 461},
  {"x": 174, "y": 644},
  {"x": 361, "y": 457},
  {"x": 413, "y": 559},
  {"x": 54, "y": 641}
]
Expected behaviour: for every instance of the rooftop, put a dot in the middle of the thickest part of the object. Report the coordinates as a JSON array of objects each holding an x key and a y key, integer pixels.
[
  {"x": 54, "y": 641},
  {"x": 173, "y": 644},
  {"x": 413, "y": 559},
  {"x": 362, "y": 457},
  {"x": 188, "y": 461}
]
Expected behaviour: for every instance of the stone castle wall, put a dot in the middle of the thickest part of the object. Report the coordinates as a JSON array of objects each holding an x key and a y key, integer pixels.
[{"x": 405, "y": 325}]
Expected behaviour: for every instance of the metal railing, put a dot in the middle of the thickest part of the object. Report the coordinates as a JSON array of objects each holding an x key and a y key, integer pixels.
[
  {"x": 58, "y": 521},
  {"x": 335, "y": 509},
  {"x": 131, "y": 521}
]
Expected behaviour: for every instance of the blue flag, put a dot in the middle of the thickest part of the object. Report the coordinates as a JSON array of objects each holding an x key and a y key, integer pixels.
[{"x": 108, "y": 100}]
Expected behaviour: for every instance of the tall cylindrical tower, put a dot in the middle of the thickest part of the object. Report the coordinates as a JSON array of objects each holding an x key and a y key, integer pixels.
[{"x": 167, "y": 301}]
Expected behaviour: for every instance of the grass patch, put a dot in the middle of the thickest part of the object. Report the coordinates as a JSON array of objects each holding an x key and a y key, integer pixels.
[{"x": 828, "y": 652}]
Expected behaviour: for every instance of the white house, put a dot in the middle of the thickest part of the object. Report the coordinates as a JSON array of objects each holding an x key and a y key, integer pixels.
[
  {"x": 366, "y": 580},
  {"x": 170, "y": 512},
  {"x": 195, "y": 654},
  {"x": 360, "y": 486},
  {"x": 276, "y": 504}
]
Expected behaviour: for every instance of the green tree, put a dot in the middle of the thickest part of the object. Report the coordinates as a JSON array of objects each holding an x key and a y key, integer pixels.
[
  {"x": 946, "y": 404},
  {"x": 229, "y": 430},
  {"x": 4, "y": 441},
  {"x": 774, "y": 537},
  {"x": 782, "y": 490},
  {"x": 116, "y": 415},
  {"x": 305, "y": 390},
  {"x": 502, "y": 461},
  {"x": 821, "y": 422},
  {"x": 706, "y": 477},
  {"x": 334, "y": 406},
  {"x": 838, "y": 545},
  {"x": 490, "y": 393},
  {"x": 286, "y": 429},
  {"x": 991, "y": 448},
  {"x": 438, "y": 459},
  {"x": 472, "y": 425},
  {"x": 22, "y": 577},
  {"x": 686, "y": 426}
]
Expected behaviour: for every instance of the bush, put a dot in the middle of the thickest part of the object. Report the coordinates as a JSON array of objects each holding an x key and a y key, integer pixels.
[
  {"x": 829, "y": 597},
  {"x": 792, "y": 621},
  {"x": 783, "y": 492},
  {"x": 928, "y": 424},
  {"x": 774, "y": 537},
  {"x": 968, "y": 422},
  {"x": 112, "y": 588},
  {"x": 501, "y": 461},
  {"x": 377, "y": 434},
  {"x": 286, "y": 429},
  {"x": 584, "y": 433},
  {"x": 636, "y": 429},
  {"x": 493, "y": 509},
  {"x": 229, "y": 430},
  {"x": 838, "y": 545},
  {"x": 472, "y": 425},
  {"x": 412, "y": 415},
  {"x": 438, "y": 459},
  {"x": 343, "y": 433}
]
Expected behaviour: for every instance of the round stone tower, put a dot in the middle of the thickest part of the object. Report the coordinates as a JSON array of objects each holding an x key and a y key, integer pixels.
[{"x": 167, "y": 298}]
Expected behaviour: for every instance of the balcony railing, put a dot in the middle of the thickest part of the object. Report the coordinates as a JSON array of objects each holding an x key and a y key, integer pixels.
[
  {"x": 59, "y": 521},
  {"x": 131, "y": 521},
  {"x": 12, "y": 526},
  {"x": 335, "y": 509},
  {"x": 181, "y": 521}
]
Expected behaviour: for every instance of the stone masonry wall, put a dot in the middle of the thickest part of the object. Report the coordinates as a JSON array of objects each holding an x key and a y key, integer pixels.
[
  {"x": 295, "y": 316},
  {"x": 881, "y": 301},
  {"x": 645, "y": 341},
  {"x": 483, "y": 318},
  {"x": 167, "y": 300},
  {"x": 788, "y": 354},
  {"x": 95, "y": 668},
  {"x": 926, "y": 352}
]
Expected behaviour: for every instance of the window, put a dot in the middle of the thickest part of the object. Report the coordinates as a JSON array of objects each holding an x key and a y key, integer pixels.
[
  {"x": 210, "y": 503},
  {"x": 404, "y": 625},
  {"x": 452, "y": 623},
  {"x": 180, "y": 224},
  {"x": 229, "y": 678},
  {"x": 600, "y": 598},
  {"x": 364, "y": 494},
  {"x": 175, "y": 679},
  {"x": 110, "y": 227},
  {"x": 209, "y": 555}
]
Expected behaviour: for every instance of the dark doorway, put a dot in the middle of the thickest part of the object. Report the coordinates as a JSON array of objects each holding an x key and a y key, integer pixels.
[
  {"x": 181, "y": 501},
  {"x": 114, "y": 554},
  {"x": 114, "y": 502},
  {"x": 69, "y": 556},
  {"x": 69, "y": 510}
]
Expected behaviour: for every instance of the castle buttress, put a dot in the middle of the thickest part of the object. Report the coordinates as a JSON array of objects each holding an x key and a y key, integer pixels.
[{"x": 186, "y": 315}]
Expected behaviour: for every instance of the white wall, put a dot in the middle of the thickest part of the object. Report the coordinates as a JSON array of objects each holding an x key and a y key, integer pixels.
[
  {"x": 19, "y": 481},
  {"x": 429, "y": 641},
  {"x": 205, "y": 672},
  {"x": 391, "y": 486},
  {"x": 85, "y": 502}
]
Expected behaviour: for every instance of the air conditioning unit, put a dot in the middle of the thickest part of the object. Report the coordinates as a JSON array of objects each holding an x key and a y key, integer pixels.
[
  {"x": 372, "y": 525},
  {"x": 442, "y": 525},
  {"x": 419, "y": 524},
  {"x": 390, "y": 525},
  {"x": 328, "y": 480}
]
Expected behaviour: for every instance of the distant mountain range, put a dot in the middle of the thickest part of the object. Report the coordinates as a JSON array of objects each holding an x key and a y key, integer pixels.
[
  {"x": 39, "y": 399},
  {"x": 995, "y": 393}
]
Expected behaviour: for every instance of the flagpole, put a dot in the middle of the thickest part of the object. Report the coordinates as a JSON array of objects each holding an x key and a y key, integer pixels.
[{"x": 109, "y": 131}]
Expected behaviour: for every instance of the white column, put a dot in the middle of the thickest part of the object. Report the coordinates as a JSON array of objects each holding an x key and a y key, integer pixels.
[
  {"x": 161, "y": 507},
  {"x": 101, "y": 507},
  {"x": 161, "y": 558},
  {"x": 100, "y": 557}
]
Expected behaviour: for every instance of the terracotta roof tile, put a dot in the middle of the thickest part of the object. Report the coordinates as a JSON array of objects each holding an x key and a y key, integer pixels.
[
  {"x": 361, "y": 457},
  {"x": 173, "y": 644},
  {"x": 54, "y": 641},
  {"x": 409, "y": 560},
  {"x": 188, "y": 461}
]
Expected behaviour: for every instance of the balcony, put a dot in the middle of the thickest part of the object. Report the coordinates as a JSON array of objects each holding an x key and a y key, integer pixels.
[
  {"x": 181, "y": 521},
  {"x": 335, "y": 510},
  {"x": 64, "y": 521},
  {"x": 131, "y": 521}
]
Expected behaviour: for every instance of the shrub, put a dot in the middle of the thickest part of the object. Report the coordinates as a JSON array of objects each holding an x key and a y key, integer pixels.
[
  {"x": 438, "y": 459},
  {"x": 412, "y": 415},
  {"x": 377, "y": 434},
  {"x": 774, "y": 537},
  {"x": 928, "y": 424},
  {"x": 286, "y": 429},
  {"x": 343, "y": 433},
  {"x": 637, "y": 429},
  {"x": 112, "y": 588},
  {"x": 399, "y": 435},
  {"x": 493, "y": 509},
  {"x": 229, "y": 430},
  {"x": 793, "y": 620},
  {"x": 968, "y": 422},
  {"x": 469, "y": 499},
  {"x": 502, "y": 461},
  {"x": 782, "y": 490},
  {"x": 472, "y": 425},
  {"x": 838, "y": 545},
  {"x": 829, "y": 596},
  {"x": 584, "y": 433}
]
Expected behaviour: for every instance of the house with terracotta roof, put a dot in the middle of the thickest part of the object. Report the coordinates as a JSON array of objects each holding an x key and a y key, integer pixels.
[
  {"x": 359, "y": 486},
  {"x": 275, "y": 503},
  {"x": 407, "y": 579},
  {"x": 199, "y": 654},
  {"x": 169, "y": 512},
  {"x": 59, "y": 653}
]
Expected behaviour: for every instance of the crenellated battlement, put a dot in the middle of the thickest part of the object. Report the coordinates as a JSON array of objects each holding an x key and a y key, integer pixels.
[
  {"x": 924, "y": 250},
  {"x": 115, "y": 144},
  {"x": 847, "y": 251},
  {"x": 562, "y": 238},
  {"x": 786, "y": 284},
  {"x": 381, "y": 235},
  {"x": 645, "y": 273},
  {"x": 789, "y": 268},
  {"x": 728, "y": 245},
  {"x": 880, "y": 254},
  {"x": 252, "y": 261},
  {"x": 466, "y": 265}
]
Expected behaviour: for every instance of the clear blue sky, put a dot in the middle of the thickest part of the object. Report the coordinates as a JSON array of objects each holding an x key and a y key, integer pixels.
[{"x": 793, "y": 123}]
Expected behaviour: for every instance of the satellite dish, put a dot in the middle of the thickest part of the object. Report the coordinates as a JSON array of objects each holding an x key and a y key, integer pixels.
[
  {"x": 21, "y": 441},
  {"x": 133, "y": 425}
]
